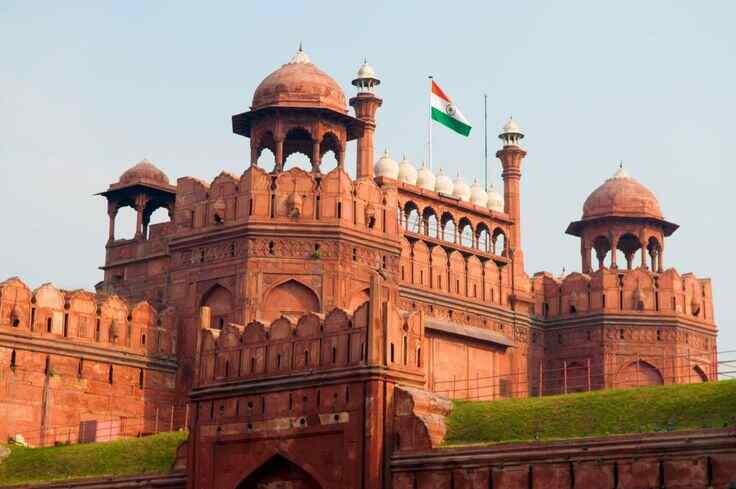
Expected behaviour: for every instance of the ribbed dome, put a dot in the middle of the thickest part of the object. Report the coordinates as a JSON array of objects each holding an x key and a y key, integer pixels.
[
  {"x": 460, "y": 189},
  {"x": 478, "y": 196},
  {"x": 299, "y": 83},
  {"x": 495, "y": 200},
  {"x": 443, "y": 184},
  {"x": 425, "y": 178},
  {"x": 145, "y": 170},
  {"x": 621, "y": 195},
  {"x": 407, "y": 172},
  {"x": 386, "y": 167}
]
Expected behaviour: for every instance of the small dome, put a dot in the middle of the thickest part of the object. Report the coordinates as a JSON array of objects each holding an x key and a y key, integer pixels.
[
  {"x": 621, "y": 195},
  {"x": 443, "y": 183},
  {"x": 145, "y": 170},
  {"x": 511, "y": 127},
  {"x": 495, "y": 199},
  {"x": 386, "y": 167},
  {"x": 407, "y": 172},
  {"x": 366, "y": 71},
  {"x": 460, "y": 189},
  {"x": 425, "y": 178},
  {"x": 478, "y": 196},
  {"x": 299, "y": 83}
]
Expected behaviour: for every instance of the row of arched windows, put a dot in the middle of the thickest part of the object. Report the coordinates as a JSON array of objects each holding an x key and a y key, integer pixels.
[{"x": 446, "y": 228}]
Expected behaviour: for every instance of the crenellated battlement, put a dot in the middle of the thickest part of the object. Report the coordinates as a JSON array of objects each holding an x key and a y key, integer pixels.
[
  {"x": 632, "y": 291},
  {"x": 85, "y": 318},
  {"x": 293, "y": 196}
]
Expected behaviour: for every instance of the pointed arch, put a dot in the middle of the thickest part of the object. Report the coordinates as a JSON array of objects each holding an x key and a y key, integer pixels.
[
  {"x": 358, "y": 298},
  {"x": 698, "y": 375},
  {"x": 220, "y": 301},
  {"x": 289, "y": 297},
  {"x": 279, "y": 471},
  {"x": 638, "y": 374}
]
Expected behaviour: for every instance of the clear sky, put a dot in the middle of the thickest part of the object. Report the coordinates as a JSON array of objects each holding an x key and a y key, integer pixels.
[{"x": 88, "y": 89}]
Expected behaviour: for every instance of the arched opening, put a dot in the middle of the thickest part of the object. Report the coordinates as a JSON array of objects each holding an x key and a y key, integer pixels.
[
  {"x": 291, "y": 298},
  {"x": 499, "y": 242},
  {"x": 411, "y": 217},
  {"x": 698, "y": 376},
  {"x": 638, "y": 374},
  {"x": 125, "y": 222},
  {"x": 329, "y": 152},
  {"x": 220, "y": 301},
  {"x": 630, "y": 246},
  {"x": 483, "y": 238},
  {"x": 447, "y": 224},
  {"x": 601, "y": 247},
  {"x": 266, "y": 159},
  {"x": 358, "y": 299},
  {"x": 466, "y": 233},
  {"x": 278, "y": 472},
  {"x": 154, "y": 215},
  {"x": 430, "y": 222},
  {"x": 298, "y": 140},
  {"x": 576, "y": 377}
]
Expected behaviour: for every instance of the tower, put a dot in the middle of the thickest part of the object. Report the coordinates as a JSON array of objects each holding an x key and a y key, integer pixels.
[
  {"x": 511, "y": 155},
  {"x": 622, "y": 215},
  {"x": 366, "y": 104}
]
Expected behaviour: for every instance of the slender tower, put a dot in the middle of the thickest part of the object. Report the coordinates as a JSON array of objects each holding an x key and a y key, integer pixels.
[
  {"x": 511, "y": 155},
  {"x": 366, "y": 104}
]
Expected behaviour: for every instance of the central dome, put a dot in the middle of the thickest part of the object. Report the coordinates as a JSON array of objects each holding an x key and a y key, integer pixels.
[
  {"x": 299, "y": 83},
  {"x": 622, "y": 195}
]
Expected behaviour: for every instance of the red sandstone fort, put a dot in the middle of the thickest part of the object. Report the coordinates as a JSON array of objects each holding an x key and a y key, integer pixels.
[{"x": 290, "y": 318}]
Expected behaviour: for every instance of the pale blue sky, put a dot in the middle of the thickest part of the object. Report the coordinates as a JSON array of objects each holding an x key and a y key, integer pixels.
[{"x": 89, "y": 89}]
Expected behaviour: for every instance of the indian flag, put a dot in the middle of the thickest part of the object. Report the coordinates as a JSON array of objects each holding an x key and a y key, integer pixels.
[{"x": 447, "y": 113}]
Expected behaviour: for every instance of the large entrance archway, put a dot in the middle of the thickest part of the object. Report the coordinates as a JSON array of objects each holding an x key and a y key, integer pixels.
[
  {"x": 279, "y": 473},
  {"x": 638, "y": 374},
  {"x": 291, "y": 298}
]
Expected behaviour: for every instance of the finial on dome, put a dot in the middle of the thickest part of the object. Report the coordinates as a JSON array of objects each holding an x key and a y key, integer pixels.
[
  {"x": 621, "y": 173},
  {"x": 300, "y": 57}
]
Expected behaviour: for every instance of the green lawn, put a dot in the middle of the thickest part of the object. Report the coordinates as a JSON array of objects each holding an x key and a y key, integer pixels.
[
  {"x": 599, "y": 413},
  {"x": 148, "y": 455}
]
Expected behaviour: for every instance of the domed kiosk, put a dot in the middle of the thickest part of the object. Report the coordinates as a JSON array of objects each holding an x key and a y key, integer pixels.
[
  {"x": 300, "y": 109},
  {"x": 622, "y": 215}
]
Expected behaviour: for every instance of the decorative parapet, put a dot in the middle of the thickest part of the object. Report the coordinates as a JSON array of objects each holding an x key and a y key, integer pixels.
[{"x": 419, "y": 419}]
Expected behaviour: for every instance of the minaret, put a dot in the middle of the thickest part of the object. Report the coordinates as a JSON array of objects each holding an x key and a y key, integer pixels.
[
  {"x": 366, "y": 104},
  {"x": 511, "y": 155}
]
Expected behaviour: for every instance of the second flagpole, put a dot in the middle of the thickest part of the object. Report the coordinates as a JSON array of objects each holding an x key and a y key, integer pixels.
[{"x": 429, "y": 127}]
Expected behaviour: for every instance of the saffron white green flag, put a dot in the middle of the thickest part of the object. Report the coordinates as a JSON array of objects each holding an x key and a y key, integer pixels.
[{"x": 446, "y": 113}]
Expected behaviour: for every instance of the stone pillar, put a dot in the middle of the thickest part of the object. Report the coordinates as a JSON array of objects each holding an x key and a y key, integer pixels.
[
  {"x": 316, "y": 158},
  {"x": 112, "y": 212},
  {"x": 614, "y": 247},
  {"x": 365, "y": 105},
  {"x": 279, "y": 156},
  {"x": 659, "y": 260},
  {"x": 140, "y": 205}
]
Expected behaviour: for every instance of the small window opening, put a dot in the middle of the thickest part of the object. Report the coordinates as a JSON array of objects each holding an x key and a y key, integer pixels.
[
  {"x": 97, "y": 330},
  {"x": 140, "y": 379},
  {"x": 419, "y": 357},
  {"x": 621, "y": 334},
  {"x": 384, "y": 262},
  {"x": 291, "y": 402},
  {"x": 573, "y": 310},
  {"x": 250, "y": 206},
  {"x": 33, "y": 318},
  {"x": 47, "y": 368},
  {"x": 659, "y": 335},
  {"x": 227, "y": 368},
  {"x": 13, "y": 360},
  {"x": 362, "y": 352},
  {"x": 143, "y": 339},
  {"x": 355, "y": 254},
  {"x": 270, "y": 248},
  {"x": 252, "y": 365},
  {"x": 334, "y": 354},
  {"x": 80, "y": 368},
  {"x": 392, "y": 353},
  {"x": 16, "y": 322},
  {"x": 110, "y": 375},
  {"x": 316, "y": 208},
  {"x": 306, "y": 358},
  {"x": 339, "y": 210},
  {"x": 218, "y": 219},
  {"x": 278, "y": 360},
  {"x": 405, "y": 350},
  {"x": 48, "y": 325}
]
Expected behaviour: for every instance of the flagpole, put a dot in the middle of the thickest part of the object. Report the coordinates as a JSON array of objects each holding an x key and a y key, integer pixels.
[
  {"x": 485, "y": 139},
  {"x": 429, "y": 126}
]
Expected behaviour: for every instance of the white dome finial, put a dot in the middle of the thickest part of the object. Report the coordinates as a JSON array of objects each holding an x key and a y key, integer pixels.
[{"x": 300, "y": 57}]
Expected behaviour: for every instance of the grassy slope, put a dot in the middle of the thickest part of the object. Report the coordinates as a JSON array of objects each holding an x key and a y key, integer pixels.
[
  {"x": 664, "y": 408},
  {"x": 151, "y": 454}
]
